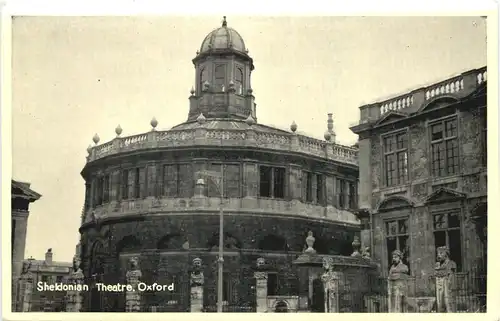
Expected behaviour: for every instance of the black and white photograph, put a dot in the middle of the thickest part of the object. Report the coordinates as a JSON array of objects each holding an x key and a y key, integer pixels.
[{"x": 249, "y": 163}]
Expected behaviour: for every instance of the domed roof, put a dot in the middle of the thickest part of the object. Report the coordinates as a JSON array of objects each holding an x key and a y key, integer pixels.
[{"x": 223, "y": 38}]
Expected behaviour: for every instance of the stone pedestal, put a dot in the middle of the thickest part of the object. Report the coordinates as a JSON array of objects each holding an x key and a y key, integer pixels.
[
  {"x": 197, "y": 282},
  {"x": 445, "y": 300},
  {"x": 261, "y": 291},
  {"x": 396, "y": 295},
  {"x": 133, "y": 298},
  {"x": 74, "y": 297},
  {"x": 26, "y": 283}
]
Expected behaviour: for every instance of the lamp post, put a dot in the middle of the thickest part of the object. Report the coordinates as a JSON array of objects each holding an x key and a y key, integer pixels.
[{"x": 220, "y": 259}]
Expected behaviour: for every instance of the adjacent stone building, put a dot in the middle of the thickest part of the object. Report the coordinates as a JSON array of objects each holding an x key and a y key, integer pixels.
[
  {"x": 21, "y": 197},
  {"x": 47, "y": 272},
  {"x": 423, "y": 177},
  {"x": 152, "y": 203}
]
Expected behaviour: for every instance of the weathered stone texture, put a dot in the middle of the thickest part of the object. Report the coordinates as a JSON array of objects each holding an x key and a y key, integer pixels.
[
  {"x": 418, "y": 157},
  {"x": 469, "y": 133}
]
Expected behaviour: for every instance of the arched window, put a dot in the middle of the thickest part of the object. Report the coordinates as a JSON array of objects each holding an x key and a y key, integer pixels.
[
  {"x": 220, "y": 77},
  {"x": 238, "y": 78},
  {"x": 203, "y": 78}
]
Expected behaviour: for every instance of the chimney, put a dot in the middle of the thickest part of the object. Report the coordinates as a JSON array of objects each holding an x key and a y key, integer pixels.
[
  {"x": 330, "y": 123},
  {"x": 48, "y": 257},
  {"x": 330, "y": 128}
]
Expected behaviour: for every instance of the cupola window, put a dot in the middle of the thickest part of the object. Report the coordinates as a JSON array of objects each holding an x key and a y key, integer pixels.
[
  {"x": 238, "y": 78},
  {"x": 203, "y": 78},
  {"x": 220, "y": 77}
]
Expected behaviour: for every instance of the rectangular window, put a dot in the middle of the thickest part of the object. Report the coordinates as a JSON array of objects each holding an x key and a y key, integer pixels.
[
  {"x": 170, "y": 180},
  {"x": 396, "y": 158},
  {"x": 45, "y": 278},
  {"x": 232, "y": 178},
  {"x": 320, "y": 188},
  {"x": 105, "y": 194},
  {"x": 444, "y": 147},
  {"x": 125, "y": 184},
  {"x": 226, "y": 288},
  {"x": 220, "y": 77},
  {"x": 309, "y": 192},
  {"x": 353, "y": 199},
  {"x": 397, "y": 238},
  {"x": 484, "y": 132},
  {"x": 186, "y": 180},
  {"x": 272, "y": 283},
  {"x": 447, "y": 233},
  {"x": 137, "y": 183},
  {"x": 272, "y": 182},
  {"x": 59, "y": 279},
  {"x": 13, "y": 235},
  {"x": 341, "y": 193}
]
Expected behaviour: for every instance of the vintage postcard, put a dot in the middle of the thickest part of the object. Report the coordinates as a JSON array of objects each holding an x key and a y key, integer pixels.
[{"x": 232, "y": 163}]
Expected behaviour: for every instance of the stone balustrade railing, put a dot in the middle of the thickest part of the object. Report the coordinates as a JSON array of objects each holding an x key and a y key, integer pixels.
[
  {"x": 460, "y": 85},
  {"x": 250, "y": 205},
  {"x": 203, "y": 136}
]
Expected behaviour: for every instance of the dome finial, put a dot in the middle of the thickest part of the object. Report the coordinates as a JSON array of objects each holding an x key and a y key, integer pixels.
[{"x": 224, "y": 22}]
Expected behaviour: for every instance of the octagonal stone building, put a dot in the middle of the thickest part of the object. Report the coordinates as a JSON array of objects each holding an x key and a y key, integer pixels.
[{"x": 150, "y": 197}]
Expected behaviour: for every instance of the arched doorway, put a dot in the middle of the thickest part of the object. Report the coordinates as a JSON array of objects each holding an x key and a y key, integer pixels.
[
  {"x": 281, "y": 306},
  {"x": 318, "y": 296}
]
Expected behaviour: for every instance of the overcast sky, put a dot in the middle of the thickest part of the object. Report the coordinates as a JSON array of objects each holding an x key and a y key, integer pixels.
[{"x": 74, "y": 77}]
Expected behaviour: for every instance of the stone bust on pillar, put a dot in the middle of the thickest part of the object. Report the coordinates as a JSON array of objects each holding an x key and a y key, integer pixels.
[
  {"x": 197, "y": 276},
  {"x": 445, "y": 271},
  {"x": 397, "y": 283}
]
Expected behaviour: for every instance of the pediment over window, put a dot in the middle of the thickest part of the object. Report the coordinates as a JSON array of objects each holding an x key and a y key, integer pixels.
[
  {"x": 390, "y": 117},
  {"x": 444, "y": 195},
  {"x": 438, "y": 102},
  {"x": 394, "y": 202}
]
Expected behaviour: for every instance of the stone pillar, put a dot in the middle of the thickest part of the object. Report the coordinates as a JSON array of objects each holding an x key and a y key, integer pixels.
[
  {"x": 133, "y": 298},
  {"x": 261, "y": 290},
  {"x": 26, "y": 282},
  {"x": 396, "y": 295},
  {"x": 74, "y": 297},
  {"x": 445, "y": 275},
  {"x": 197, "y": 282},
  {"x": 365, "y": 174},
  {"x": 330, "y": 280}
]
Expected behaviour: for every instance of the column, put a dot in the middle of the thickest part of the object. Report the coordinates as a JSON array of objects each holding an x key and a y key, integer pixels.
[
  {"x": 74, "y": 297},
  {"x": 133, "y": 298},
  {"x": 26, "y": 291},
  {"x": 197, "y": 282},
  {"x": 261, "y": 291}
]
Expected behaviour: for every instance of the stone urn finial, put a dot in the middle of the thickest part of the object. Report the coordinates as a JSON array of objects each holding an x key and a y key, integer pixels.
[
  {"x": 310, "y": 243},
  {"x": 118, "y": 130},
  {"x": 153, "y": 123},
  {"x": 192, "y": 91},
  {"x": 96, "y": 139},
  {"x": 201, "y": 119},
  {"x": 250, "y": 121},
  {"x": 293, "y": 127},
  {"x": 356, "y": 245},
  {"x": 89, "y": 149},
  {"x": 328, "y": 136}
]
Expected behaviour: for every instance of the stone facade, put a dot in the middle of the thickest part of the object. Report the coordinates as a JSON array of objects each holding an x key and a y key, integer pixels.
[
  {"x": 21, "y": 198},
  {"x": 157, "y": 196},
  {"x": 431, "y": 203}
]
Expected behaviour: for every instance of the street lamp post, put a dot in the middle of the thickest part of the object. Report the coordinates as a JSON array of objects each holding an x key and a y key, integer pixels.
[{"x": 220, "y": 259}]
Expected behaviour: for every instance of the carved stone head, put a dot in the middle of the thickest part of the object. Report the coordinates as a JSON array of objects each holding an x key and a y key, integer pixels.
[
  {"x": 327, "y": 263},
  {"x": 134, "y": 263},
  {"x": 442, "y": 253},
  {"x": 397, "y": 256},
  {"x": 260, "y": 262},
  {"x": 197, "y": 262}
]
